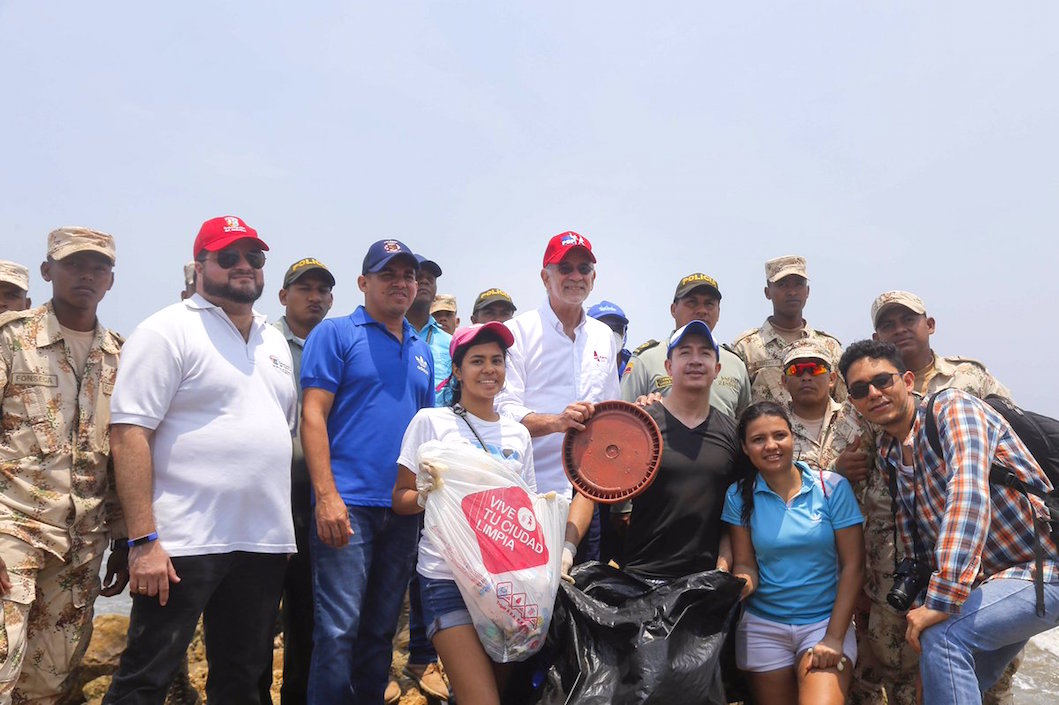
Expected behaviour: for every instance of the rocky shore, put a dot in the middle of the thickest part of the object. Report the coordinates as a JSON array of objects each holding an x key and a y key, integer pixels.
[{"x": 108, "y": 642}]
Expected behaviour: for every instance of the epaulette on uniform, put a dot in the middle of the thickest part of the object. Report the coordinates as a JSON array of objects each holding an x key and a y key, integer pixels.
[
  {"x": 957, "y": 360},
  {"x": 9, "y": 316},
  {"x": 826, "y": 335},
  {"x": 646, "y": 346},
  {"x": 729, "y": 348}
]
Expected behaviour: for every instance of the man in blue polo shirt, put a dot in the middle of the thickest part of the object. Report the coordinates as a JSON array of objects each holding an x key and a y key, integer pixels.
[{"x": 364, "y": 378}]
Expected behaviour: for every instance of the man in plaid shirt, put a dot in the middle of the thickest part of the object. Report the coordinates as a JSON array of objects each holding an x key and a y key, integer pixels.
[{"x": 980, "y": 606}]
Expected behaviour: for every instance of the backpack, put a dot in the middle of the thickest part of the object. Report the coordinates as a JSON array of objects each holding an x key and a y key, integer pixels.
[{"x": 1040, "y": 435}]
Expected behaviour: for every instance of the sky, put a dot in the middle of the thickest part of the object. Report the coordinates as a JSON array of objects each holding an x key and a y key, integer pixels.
[{"x": 894, "y": 145}]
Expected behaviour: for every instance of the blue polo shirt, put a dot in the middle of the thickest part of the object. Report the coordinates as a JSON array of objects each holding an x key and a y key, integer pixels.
[
  {"x": 439, "y": 340},
  {"x": 379, "y": 384},
  {"x": 797, "y": 560}
]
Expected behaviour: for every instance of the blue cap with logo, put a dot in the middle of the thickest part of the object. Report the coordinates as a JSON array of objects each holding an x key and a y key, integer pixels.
[
  {"x": 381, "y": 252},
  {"x": 692, "y": 328},
  {"x": 605, "y": 308},
  {"x": 429, "y": 265}
]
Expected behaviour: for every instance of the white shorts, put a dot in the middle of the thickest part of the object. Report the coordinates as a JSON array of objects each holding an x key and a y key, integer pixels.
[{"x": 763, "y": 645}]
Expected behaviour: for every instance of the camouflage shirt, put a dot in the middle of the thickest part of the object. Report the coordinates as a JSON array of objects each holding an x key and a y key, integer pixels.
[
  {"x": 56, "y": 484},
  {"x": 842, "y": 425},
  {"x": 762, "y": 350},
  {"x": 646, "y": 373},
  {"x": 960, "y": 373}
]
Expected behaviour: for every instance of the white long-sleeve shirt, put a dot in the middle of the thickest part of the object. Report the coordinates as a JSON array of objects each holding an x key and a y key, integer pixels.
[{"x": 546, "y": 371}]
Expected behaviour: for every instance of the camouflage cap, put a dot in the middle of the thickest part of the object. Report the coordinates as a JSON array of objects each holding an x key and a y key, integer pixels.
[
  {"x": 896, "y": 298},
  {"x": 14, "y": 273},
  {"x": 491, "y": 296},
  {"x": 692, "y": 282},
  {"x": 189, "y": 273},
  {"x": 70, "y": 239},
  {"x": 780, "y": 267},
  {"x": 443, "y": 302},
  {"x": 807, "y": 349}
]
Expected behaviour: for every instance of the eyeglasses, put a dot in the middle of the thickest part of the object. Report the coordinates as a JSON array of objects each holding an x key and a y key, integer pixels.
[
  {"x": 797, "y": 369},
  {"x": 859, "y": 390},
  {"x": 226, "y": 259},
  {"x": 584, "y": 269}
]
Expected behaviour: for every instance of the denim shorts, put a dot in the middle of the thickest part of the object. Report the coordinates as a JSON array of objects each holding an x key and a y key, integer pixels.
[{"x": 443, "y": 606}]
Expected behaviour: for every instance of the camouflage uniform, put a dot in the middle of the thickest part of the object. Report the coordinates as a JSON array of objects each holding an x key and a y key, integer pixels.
[
  {"x": 57, "y": 500},
  {"x": 762, "y": 350},
  {"x": 646, "y": 373},
  {"x": 888, "y": 658}
]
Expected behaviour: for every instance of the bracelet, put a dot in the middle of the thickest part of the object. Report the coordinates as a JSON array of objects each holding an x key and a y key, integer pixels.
[{"x": 153, "y": 536}]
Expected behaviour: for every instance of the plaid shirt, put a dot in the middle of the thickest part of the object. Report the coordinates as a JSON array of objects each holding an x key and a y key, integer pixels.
[{"x": 978, "y": 530}]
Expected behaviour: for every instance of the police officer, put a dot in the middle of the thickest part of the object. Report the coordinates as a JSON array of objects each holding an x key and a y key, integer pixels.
[
  {"x": 493, "y": 305},
  {"x": 697, "y": 298},
  {"x": 58, "y": 508},
  {"x": 787, "y": 287}
]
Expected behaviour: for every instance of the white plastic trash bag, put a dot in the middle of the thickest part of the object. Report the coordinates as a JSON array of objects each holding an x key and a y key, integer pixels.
[{"x": 503, "y": 543}]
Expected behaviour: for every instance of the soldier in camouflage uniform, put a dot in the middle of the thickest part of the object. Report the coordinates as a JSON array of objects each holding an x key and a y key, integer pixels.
[
  {"x": 14, "y": 287},
  {"x": 900, "y": 317},
  {"x": 761, "y": 349},
  {"x": 697, "y": 298},
  {"x": 833, "y": 436},
  {"x": 57, "y": 500}
]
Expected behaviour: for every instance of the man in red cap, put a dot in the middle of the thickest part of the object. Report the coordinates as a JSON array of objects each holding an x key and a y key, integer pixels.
[
  {"x": 201, "y": 422},
  {"x": 561, "y": 364}
]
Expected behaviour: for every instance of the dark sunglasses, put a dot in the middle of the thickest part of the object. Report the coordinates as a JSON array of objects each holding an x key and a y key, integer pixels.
[
  {"x": 859, "y": 390},
  {"x": 226, "y": 259},
  {"x": 583, "y": 269},
  {"x": 797, "y": 369}
]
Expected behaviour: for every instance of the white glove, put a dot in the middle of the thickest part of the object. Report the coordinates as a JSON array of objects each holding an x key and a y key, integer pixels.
[
  {"x": 568, "y": 562},
  {"x": 428, "y": 479}
]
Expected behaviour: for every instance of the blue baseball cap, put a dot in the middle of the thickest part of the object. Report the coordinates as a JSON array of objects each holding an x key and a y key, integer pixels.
[
  {"x": 692, "y": 328},
  {"x": 605, "y": 308},
  {"x": 381, "y": 252},
  {"x": 429, "y": 265}
]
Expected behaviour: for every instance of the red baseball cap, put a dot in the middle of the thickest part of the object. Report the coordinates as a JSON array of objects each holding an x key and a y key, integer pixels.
[
  {"x": 562, "y": 243},
  {"x": 466, "y": 336},
  {"x": 217, "y": 233}
]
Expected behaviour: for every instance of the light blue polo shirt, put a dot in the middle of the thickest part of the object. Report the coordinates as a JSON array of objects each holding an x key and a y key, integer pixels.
[
  {"x": 795, "y": 544},
  {"x": 438, "y": 340},
  {"x": 379, "y": 384}
]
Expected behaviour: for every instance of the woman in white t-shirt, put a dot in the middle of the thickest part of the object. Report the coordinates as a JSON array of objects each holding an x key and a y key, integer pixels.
[{"x": 478, "y": 372}]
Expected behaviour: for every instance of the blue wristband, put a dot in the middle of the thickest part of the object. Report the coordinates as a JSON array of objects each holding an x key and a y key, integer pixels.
[{"x": 153, "y": 536}]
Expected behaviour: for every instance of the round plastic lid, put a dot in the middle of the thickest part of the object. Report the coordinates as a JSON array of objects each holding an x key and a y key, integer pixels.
[{"x": 616, "y": 457}]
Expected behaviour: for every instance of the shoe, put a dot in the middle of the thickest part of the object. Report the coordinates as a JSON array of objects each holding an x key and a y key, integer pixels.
[
  {"x": 431, "y": 682},
  {"x": 393, "y": 693}
]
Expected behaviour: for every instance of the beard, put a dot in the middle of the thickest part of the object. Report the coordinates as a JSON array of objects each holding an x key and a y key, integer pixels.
[{"x": 227, "y": 291}]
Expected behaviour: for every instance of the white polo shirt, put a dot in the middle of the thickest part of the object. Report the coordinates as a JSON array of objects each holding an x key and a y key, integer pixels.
[
  {"x": 546, "y": 371},
  {"x": 222, "y": 410}
]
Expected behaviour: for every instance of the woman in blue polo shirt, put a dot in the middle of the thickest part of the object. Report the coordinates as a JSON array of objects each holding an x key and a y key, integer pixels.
[{"x": 797, "y": 541}]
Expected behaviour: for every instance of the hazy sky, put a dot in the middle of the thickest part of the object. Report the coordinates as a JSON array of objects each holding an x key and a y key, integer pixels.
[{"x": 895, "y": 145}]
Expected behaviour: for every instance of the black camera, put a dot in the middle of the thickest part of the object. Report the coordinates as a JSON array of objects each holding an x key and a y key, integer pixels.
[{"x": 910, "y": 579}]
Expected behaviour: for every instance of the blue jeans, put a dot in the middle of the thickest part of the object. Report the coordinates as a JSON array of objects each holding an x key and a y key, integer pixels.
[
  {"x": 443, "y": 605},
  {"x": 965, "y": 655},
  {"x": 358, "y": 590}
]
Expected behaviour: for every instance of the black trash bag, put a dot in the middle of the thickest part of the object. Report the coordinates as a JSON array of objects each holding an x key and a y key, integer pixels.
[{"x": 618, "y": 640}]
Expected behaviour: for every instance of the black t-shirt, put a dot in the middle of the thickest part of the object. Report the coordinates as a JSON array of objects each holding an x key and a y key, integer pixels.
[{"x": 675, "y": 526}]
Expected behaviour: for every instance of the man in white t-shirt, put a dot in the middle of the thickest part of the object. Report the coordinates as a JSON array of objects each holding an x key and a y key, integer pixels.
[
  {"x": 201, "y": 436},
  {"x": 562, "y": 362}
]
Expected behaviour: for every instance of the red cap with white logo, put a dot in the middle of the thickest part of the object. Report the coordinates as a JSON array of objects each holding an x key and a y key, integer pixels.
[
  {"x": 563, "y": 243},
  {"x": 217, "y": 233}
]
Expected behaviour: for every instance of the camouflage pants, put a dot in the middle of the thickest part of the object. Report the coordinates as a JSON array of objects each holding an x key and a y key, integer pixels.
[
  {"x": 887, "y": 663},
  {"x": 47, "y": 621}
]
